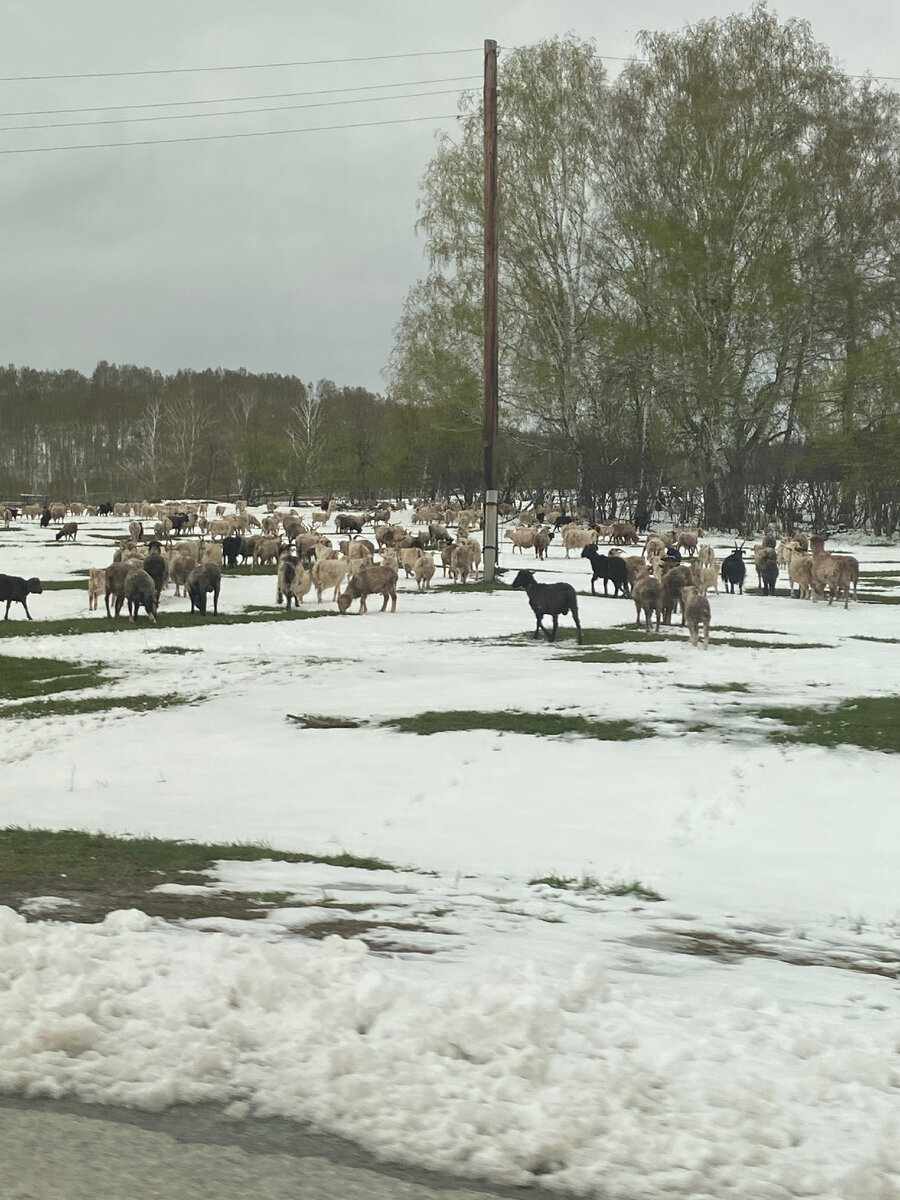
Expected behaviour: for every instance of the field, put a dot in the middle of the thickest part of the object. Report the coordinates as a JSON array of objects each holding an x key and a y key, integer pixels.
[{"x": 619, "y": 917}]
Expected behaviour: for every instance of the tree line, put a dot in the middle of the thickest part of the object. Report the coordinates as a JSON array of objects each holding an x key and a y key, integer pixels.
[{"x": 699, "y": 284}]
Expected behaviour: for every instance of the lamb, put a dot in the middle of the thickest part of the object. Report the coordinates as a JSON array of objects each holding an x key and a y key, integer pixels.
[
  {"x": 370, "y": 581},
  {"x": 140, "y": 591},
  {"x": 69, "y": 532},
  {"x": 647, "y": 595},
  {"x": 329, "y": 573},
  {"x": 549, "y": 600},
  {"x": 15, "y": 590},
  {"x": 423, "y": 571},
  {"x": 609, "y": 568},
  {"x": 202, "y": 580},
  {"x": 734, "y": 572},
  {"x": 696, "y": 613},
  {"x": 96, "y": 585}
]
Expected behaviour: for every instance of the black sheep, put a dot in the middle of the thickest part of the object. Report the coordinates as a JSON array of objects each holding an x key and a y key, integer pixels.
[
  {"x": 768, "y": 571},
  {"x": 203, "y": 579},
  {"x": 549, "y": 600},
  {"x": 157, "y": 568},
  {"x": 15, "y": 589},
  {"x": 609, "y": 568},
  {"x": 734, "y": 572},
  {"x": 231, "y": 548}
]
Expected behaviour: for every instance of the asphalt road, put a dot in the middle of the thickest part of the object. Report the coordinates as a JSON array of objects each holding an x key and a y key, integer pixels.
[{"x": 62, "y": 1150}]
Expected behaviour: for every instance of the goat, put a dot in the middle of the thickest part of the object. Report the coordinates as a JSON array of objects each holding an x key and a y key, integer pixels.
[
  {"x": 647, "y": 596},
  {"x": 674, "y": 581},
  {"x": 96, "y": 584},
  {"x": 609, "y": 568},
  {"x": 140, "y": 591},
  {"x": 288, "y": 567},
  {"x": 734, "y": 571},
  {"x": 15, "y": 590},
  {"x": 69, "y": 532},
  {"x": 423, "y": 571},
  {"x": 202, "y": 580},
  {"x": 696, "y": 613},
  {"x": 549, "y": 600},
  {"x": 767, "y": 566},
  {"x": 370, "y": 581},
  {"x": 837, "y": 572}
]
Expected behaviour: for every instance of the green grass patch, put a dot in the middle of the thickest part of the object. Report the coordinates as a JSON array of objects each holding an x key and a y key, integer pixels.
[
  {"x": 613, "y": 657},
  {"x": 21, "y": 678},
  {"x": 101, "y": 873},
  {"x": 62, "y": 585},
  {"x": 165, "y": 620},
  {"x": 531, "y": 724},
  {"x": 589, "y": 883},
  {"x": 715, "y": 687},
  {"x": 870, "y": 722},
  {"x": 751, "y": 644},
  {"x": 174, "y": 650},
  {"x": 862, "y": 637},
  {"x": 39, "y": 709},
  {"x": 481, "y": 586},
  {"x": 741, "y": 629},
  {"x": 870, "y": 598}
]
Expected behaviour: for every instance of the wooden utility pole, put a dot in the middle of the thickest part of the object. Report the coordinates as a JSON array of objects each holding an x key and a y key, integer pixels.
[{"x": 491, "y": 343}]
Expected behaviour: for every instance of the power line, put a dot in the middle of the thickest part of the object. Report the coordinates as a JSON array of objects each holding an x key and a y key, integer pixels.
[
  {"x": 309, "y": 62},
  {"x": 233, "y": 113},
  {"x": 369, "y": 87},
  {"x": 219, "y": 137}
]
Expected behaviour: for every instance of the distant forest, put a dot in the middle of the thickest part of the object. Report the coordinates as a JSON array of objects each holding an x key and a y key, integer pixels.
[{"x": 129, "y": 432}]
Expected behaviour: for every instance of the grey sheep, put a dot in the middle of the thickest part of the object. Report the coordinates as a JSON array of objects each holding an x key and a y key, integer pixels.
[
  {"x": 140, "y": 592},
  {"x": 202, "y": 580},
  {"x": 14, "y": 589}
]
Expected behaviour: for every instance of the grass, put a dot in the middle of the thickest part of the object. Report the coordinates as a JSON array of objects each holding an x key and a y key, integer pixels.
[
  {"x": 715, "y": 687},
  {"x": 40, "y": 709},
  {"x": 862, "y": 637},
  {"x": 21, "y": 678},
  {"x": 870, "y": 598},
  {"x": 531, "y": 724},
  {"x": 589, "y": 883},
  {"x": 62, "y": 585},
  {"x": 870, "y": 722},
  {"x": 103, "y": 873},
  {"x": 165, "y": 620},
  {"x": 613, "y": 657},
  {"x": 471, "y": 587},
  {"x": 174, "y": 650}
]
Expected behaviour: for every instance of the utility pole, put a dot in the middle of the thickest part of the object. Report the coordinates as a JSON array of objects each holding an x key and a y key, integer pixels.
[{"x": 491, "y": 343}]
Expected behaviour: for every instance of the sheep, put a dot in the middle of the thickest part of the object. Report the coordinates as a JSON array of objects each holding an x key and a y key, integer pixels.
[
  {"x": 136, "y": 531},
  {"x": 522, "y": 539},
  {"x": 460, "y": 562},
  {"x": 476, "y": 553},
  {"x": 706, "y": 556},
  {"x": 408, "y": 559},
  {"x": 704, "y": 577},
  {"x": 96, "y": 585},
  {"x": 370, "y": 581},
  {"x": 179, "y": 569},
  {"x": 115, "y": 585},
  {"x": 204, "y": 579},
  {"x": 423, "y": 571},
  {"x": 348, "y": 523},
  {"x": 15, "y": 590},
  {"x": 674, "y": 581},
  {"x": 800, "y": 573},
  {"x": 549, "y": 600},
  {"x": 329, "y": 573},
  {"x": 69, "y": 532},
  {"x": 231, "y": 549},
  {"x": 837, "y": 572},
  {"x": 576, "y": 538},
  {"x": 734, "y": 572},
  {"x": 688, "y": 542},
  {"x": 653, "y": 547},
  {"x": 696, "y": 613},
  {"x": 768, "y": 570},
  {"x": 140, "y": 591},
  {"x": 211, "y": 553},
  {"x": 542, "y": 539},
  {"x": 158, "y": 570},
  {"x": 288, "y": 566},
  {"x": 623, "y": 533},
  {"x": 609, "y": 568},
  {"x": 219, "y": 529},
  {"x": 266, "y": 550},
  {"x": 647, "y": 596}
]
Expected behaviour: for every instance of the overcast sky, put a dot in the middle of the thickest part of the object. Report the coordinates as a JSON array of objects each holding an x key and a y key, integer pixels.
[{"x": 289, "y": 253}]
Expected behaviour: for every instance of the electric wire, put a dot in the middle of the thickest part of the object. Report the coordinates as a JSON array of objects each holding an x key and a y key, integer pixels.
[
  {"x": 236, "y": 112},
  {"x": 309, "y": 62},
  {"x": 219, "y": 137},
  {"x": 367, "y": 87}
]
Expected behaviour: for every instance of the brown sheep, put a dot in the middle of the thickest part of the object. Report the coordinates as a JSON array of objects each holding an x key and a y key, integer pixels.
[
  {"x": 696, "y": 614},
  {"x": 370, "y": 581},
  {"x": 647, "y": 596}
]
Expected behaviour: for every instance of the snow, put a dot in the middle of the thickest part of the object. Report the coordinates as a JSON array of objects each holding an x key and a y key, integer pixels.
[{"x": 737, "y": 1039}]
